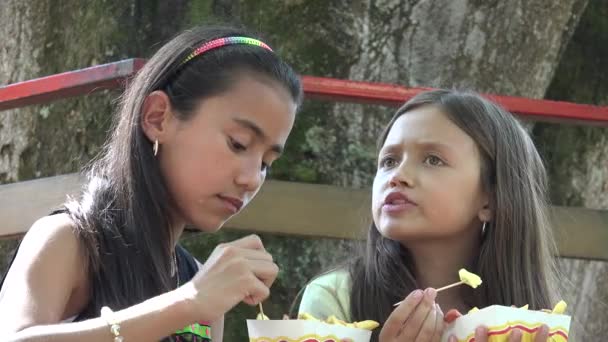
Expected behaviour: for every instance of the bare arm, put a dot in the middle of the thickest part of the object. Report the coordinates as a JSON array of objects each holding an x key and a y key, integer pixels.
[
  {"x": 148, "y": 321},
  {"x": 40, "y": 286},
  {"x": 48, "y": 271},
  {"x": 217, "y": 330}
]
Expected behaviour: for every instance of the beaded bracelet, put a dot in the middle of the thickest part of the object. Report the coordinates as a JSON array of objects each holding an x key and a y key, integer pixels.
[{"x": 108, "y": 315}]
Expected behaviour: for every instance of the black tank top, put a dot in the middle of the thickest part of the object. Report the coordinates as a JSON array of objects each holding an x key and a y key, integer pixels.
[{"x": 197, "y": 332}]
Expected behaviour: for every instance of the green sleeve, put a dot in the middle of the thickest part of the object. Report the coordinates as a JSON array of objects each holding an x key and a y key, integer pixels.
[{"x": 328, "y": 295}]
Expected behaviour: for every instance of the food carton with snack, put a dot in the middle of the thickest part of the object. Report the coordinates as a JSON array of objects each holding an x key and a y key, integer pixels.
[
  {"x": 309, "y": 329},
  {"x": 502, "y": 320}
]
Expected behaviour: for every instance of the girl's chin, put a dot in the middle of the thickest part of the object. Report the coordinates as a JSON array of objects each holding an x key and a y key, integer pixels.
[
  {"x": 205, "y": 226},
  {"x": 392, "y": 233},
  {"x": 401, "y": 233}
]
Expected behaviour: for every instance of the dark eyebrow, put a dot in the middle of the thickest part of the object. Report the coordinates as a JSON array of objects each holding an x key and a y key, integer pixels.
[
  {"x": 438, "y": 146},
  {"x": 258, "y": 132},
  {"x": 390, "y": 148},
  {"x": 426, "y": 144}
]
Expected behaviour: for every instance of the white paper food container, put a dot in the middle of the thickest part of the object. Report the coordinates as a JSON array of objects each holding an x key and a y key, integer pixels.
[
  {"x": 303, "y": 331},
  {"x": 500, "y": 320}
]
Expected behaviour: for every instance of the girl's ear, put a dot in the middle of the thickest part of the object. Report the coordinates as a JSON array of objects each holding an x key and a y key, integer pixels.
[
  {"x": 156, "y": 116},
  {"x": 486, "y": 213}
]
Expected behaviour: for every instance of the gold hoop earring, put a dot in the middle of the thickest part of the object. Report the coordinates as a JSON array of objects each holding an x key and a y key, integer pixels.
[{"x": 155, "y": 147}]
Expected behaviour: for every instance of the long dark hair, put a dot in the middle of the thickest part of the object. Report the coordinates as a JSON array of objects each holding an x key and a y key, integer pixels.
[
  {"x": 516, "y": 258},
  {"x": 122, "y": 218}
]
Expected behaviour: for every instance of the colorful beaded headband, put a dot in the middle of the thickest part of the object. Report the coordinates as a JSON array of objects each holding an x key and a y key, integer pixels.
[{"x": 216, "y": 43}]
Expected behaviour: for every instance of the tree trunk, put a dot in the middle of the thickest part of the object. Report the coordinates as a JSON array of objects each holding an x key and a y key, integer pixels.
[
  {"x": 504, "y": 47},
  {"x": 577, "y": 164}
]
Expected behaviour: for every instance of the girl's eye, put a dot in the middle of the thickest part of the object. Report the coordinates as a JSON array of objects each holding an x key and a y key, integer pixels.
[
  {"x": 237, "y": 146},
  {"x": 388, "y": 162},
  {"x": 433, "y": 160}
]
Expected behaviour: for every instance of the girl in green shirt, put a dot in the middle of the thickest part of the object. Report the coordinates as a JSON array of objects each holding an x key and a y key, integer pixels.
[{"x": 459, "y": 183}]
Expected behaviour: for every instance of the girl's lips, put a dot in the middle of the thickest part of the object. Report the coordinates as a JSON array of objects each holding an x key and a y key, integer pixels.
[
  {"x": 397, "y": 208},
  {"x": 232, "y": 204},
  {"x": 397, "y": 202}
]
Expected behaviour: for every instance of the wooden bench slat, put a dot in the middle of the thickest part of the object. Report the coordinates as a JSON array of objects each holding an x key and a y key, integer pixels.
[{"x": 294, "y": 209}]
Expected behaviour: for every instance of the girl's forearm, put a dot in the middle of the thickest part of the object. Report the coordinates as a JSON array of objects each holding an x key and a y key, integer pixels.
[{"x": 149, "y": 321}]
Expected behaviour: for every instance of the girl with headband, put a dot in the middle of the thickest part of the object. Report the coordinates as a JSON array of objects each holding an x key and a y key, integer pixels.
[{"x": 196, "y": 133}]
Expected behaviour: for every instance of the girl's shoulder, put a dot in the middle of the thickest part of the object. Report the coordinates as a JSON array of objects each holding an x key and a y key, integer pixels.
[
  {"x": 48, "y": 236},
  {"x": 334, "y": 281},
  {"x": 51, "y": 241},
  {"x": 47, "y": 271},
  {"x": 327, "y": 295}
]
